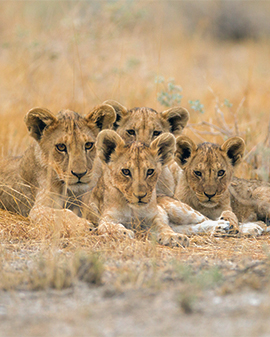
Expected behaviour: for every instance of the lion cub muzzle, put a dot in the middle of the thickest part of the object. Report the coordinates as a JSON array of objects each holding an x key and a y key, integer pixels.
[
  {"x": 79, "y": 175},
  {"x": 141, "y": 193},
  {"x": 140, "y": 198},
  {"x": 78, "y": 178},
  {"x": 209, "y": 200},
  {"x": 209, "y": 196}
]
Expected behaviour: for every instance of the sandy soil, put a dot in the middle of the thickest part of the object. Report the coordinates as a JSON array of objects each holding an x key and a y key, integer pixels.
[
  {"x": 209, "y": 298},
  {"x": 85, "y": 311}
]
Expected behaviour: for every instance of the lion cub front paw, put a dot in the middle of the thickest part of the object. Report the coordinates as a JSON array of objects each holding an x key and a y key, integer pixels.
[
  {"x": 233, "y": 221},
  {"x": 125, "y": 233},
  {"x": 253, "y": 228},
  {"x": 222, "y": 227},
  {"x": 173, "y": 240},
  {"x": 86, "y": 224},
  {"x": 115, "y": 229}
]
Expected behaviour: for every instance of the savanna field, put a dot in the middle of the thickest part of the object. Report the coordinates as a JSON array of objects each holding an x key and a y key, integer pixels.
[{"x": 209, "y": 57}]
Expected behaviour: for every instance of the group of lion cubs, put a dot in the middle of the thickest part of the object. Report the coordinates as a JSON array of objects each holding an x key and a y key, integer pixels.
[{"x": 116, "y": 169}]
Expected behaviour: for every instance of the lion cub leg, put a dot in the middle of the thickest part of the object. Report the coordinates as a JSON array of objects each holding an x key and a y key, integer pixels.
[
  {"x": 49, "y": 210},
  {"x": 163, "y": 232},
  {"x": 232, "y": 219},
  {"x": 184, "y": 219},
  {"x": 108, "y": 226},
  {"x": 179, "y": 212},
  {"x": 248, "y": 228},
  {"x": 63, "y": 221}
]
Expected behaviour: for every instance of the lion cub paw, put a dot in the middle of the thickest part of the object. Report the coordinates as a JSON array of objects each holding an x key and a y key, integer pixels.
[
  {"x": 173, "y": 240},
  {"x": 222, "y": 227},
  {"x": 233, "y": 221},
  {"x": 86, "y": 224},
  {"x": 115, "y": 229},
  {"x": 253, "y": 228},
  {"x": 124, "y": 232}
]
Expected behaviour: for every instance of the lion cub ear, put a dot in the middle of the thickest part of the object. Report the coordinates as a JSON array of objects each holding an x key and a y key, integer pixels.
[
  {"x": 184, "y": 149},
  {"x": 164, "y": 145},
  {"x": 103, "y": 116},
  {"x": 177, "y": 118},
  {"x": 37, "y": 119},
  {"x": 234, "y": 148},
  {"x": 106, "y": 144},
  {"x": 120, "y": 111}
]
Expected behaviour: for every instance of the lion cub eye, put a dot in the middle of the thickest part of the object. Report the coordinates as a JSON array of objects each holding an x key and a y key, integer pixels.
[
  {"x": 150, "y": 172},
  {"x": 221, "y": 173},
  {"x": 88, "y": 145},
  {"x": 156, "y": 133},
  {"x": 131, "y": 132},
  {"x": 61, "y": 147},
  {"x": 126, "y": 172},
  {"x": 198, "y": 173}
]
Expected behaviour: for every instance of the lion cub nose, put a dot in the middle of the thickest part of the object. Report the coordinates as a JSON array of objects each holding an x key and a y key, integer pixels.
[
  {"x": 209, "y": 196},
  {"x": 140, "y": 196},
  {"x": 79, "y": 175}
]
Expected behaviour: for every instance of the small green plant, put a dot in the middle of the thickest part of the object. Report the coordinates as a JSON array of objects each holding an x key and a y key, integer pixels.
[
  {"x": 227, "y": 103},
  {"x": 170, "y": 95},
  {"x": 201, "y": 279},
  {"x": 197, "y": 105},
  {"x": 194, "y": 282},
  {"x": 209, "y": 278}
]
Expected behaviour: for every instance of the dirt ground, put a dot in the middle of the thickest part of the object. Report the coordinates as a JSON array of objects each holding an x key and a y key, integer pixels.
[
  {"x": 216, "y": 287},
  {"x": 84, "y": 311}
]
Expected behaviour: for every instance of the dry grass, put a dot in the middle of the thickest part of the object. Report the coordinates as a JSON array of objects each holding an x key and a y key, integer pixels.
[
  {"x": 40, "y": 257},
  {"x": 78, "y": 54}
]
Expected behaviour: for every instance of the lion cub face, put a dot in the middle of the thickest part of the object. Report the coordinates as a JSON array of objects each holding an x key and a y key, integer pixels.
[
  {"x": 208, "y": 168},
  {"x": 134, "y": 169},
  {"x": 145, "y": 124},
  {"x": 66, "y": 142}
]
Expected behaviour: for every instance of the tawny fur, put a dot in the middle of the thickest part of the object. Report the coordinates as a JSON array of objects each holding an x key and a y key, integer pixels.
[
  {"x": 145, "y": 125},
  {"x": 54, "y": 172},
  {"x": 250, "y": 199},
  {"x": 126, "y": 193},
  {"x": 207, "y": 183}
]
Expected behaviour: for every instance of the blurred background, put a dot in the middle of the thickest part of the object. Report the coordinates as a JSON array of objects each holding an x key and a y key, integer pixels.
[{"x": 211, "y": 57}]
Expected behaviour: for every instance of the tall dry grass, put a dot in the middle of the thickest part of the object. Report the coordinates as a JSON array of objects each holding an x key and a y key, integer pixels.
[{"x": 78, "y": 54}]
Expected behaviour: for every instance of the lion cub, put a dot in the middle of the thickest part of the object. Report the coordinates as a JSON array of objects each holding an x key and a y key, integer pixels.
[
  {"x": 207, "y": 183},
  {"x": 145, "y": 125},
  {"x": 126, "y": 192},
  {"x": 47, "y": 182}
]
